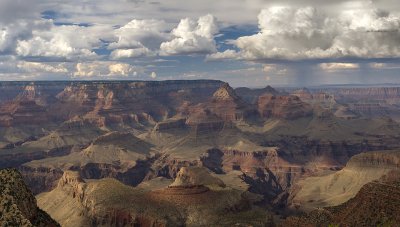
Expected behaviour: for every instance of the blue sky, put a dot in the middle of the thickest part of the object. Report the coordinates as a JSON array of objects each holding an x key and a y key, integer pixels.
[{"x": 244, "y": 42}]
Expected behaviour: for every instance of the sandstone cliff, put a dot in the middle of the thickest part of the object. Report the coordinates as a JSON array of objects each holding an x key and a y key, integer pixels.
[
  {"x": 338, "y": 187},
  {"x": 376, "y": 204}
]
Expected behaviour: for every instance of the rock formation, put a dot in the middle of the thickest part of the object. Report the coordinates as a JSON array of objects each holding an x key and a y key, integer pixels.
[
  {"x": 195, "y": 176},
  {"x": 286, "y": 107},
  {"x": 338, "y": 187},
  {"x": 376, "y": 204},
  {"x": 264, "y": 144},
  {"x": 99, "y": 203},
  {"x": 18, "y": 205},
  {"x": 251, "y": 95}
]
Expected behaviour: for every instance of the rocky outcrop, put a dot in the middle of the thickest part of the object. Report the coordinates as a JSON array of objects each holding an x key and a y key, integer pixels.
[
  {"x": 40, "y": 179},
  {"x": 227, "y": 105},
  {"x": 379, "y": 159},
  {"x": 318, "y": 97},
  {"x": 99, "y": 203},
  {"x": 22, "y": 112},
  {"x": 338, "y": 187},
  {"x": 18, "y": 205},
  {"x": 195, "y": 176},
  {"x": 170, "y": 124},
  {"x": 114, "y": 103},
  {"x": 370, "y": 109},
  {"x": 40, "y": 91},
  {"x": 285, "y": 107},
  {"x": 376, "y": 204},
  {"x": 345, "y": 112},
  {"x": 251, "y": 95},
  {"x": 370, "y": 93},
  {"x": 30, "y": 106},
  {"x": 224, "y": 106}
]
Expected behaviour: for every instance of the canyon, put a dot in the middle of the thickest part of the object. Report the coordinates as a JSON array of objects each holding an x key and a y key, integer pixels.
[{"x": 113, "y": 153}]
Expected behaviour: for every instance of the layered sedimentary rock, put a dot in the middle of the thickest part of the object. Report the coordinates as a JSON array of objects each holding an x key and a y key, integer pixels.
[
  {"x": 119, "y": 155},
  {"x": 372, "y": 93},
  {"x": 251, "y": 95},
  {"x": 195, "y": 176},
  {"x": 338, "y": 187},
  {"x": 286, "y": 107},
  {"x": 145, "y": 133},
  {"x": 170, "y": 124},
  {"x": 30, "y": 106},
  {"x": 376, "y": 204},
  {"x": 99, "y": 203},
  {"x": 22, "y": 112},
  {"x": 114, "y": 103},
  {"x": 346, "y": 113},
  {"x": 226, "y": 105},
  {"x": 18, "y": 205}
]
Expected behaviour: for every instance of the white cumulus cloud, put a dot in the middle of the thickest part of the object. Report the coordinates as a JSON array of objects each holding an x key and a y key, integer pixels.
[
  {"x": 192, "y": 37},
  {"x": 42, "y": 67},
  {"x": 68, "y": 41},
  {"x": 104, "y": 69},
  {"x": 307, "y": 33},
  {"x": 139, "y": 38},
  {"x": 131, "y": 53}
]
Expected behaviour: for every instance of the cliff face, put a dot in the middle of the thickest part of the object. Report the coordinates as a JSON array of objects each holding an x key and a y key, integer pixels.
[
  {"x": 368, "y": 101},
  {"x": 373, "y": 93},
  {"x": 376, "y": 204},
  {"x": 338, "y": 187},
  {"x": 119, "y": 155},
  {"x": 251, "y": 95},
  {"x": 132, "y": 103},
  {"x": 224, "y": 105},
  {"x": 30, "y": 106},
  {"x": 102, "y": 103},
  {"x": 18, "y": 205},
  {"x": 286, "y": 107}
]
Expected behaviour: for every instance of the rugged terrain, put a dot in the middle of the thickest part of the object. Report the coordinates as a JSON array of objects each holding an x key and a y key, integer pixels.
[
  {"x": 337, "y": 187},
  {"x": 18, "y": 205},
  {"x": 376, "y": 204},
  {"x": 195, "y": 198},
  {"x": 292, "y": 149}
]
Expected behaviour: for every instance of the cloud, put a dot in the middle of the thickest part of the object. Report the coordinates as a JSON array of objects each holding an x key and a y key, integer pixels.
[
  {"x": 307, "y": 33},
  {"x": 147, "y": 38},
  {"x": 42, "y": 38},
  {"x": 121, "y": 69},
  {"x": 38, "y": 67},
  {"x": 11, "y": 33},
  {"x": 192, "y": 37},
  {"x": 153, "y": 75},
  {"x": 273, "y": 69},
  {"x": 12, "y": 11},
  {"x": 104, "y": 69},
  {"x": 131, "y": 53},
  {"x": 60, "y": 42},
  {"x": 139, "y": 38},
  {"x": 227, "y": 54},
  {"x": 381, "y": 66},
  {"x": 338, "y": 66},
  {"x": 378, "y": 65}
]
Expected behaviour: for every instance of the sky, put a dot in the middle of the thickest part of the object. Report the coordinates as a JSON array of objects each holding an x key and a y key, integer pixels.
[{"x": 250, "y": 43}]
